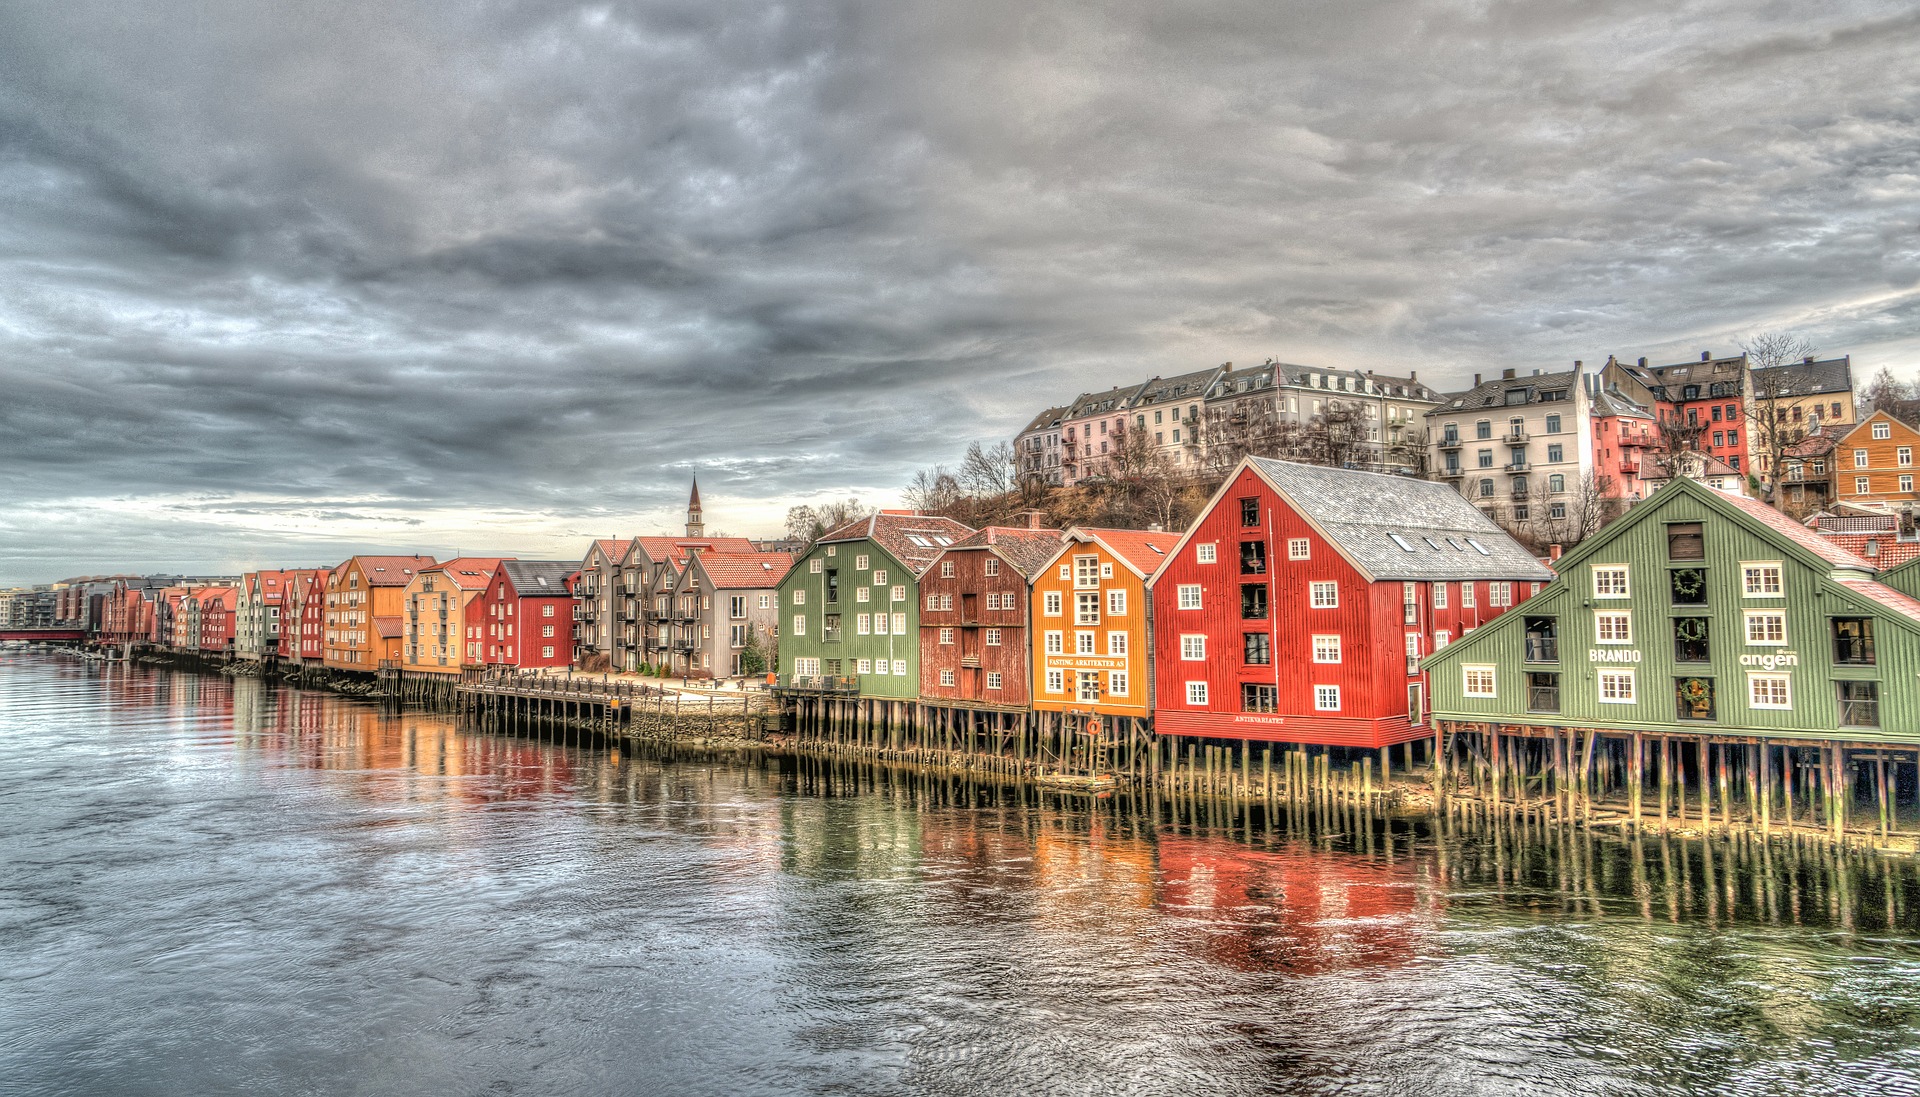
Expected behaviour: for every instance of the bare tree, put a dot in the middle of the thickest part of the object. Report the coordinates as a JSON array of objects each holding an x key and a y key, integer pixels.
[
  {"x": 1337, "y": 437},
  {"x": 1900, "y": 399},
  {"x": 1771, "y": 402},
  {"x": 807, "y": 523},
  {"x": 1572, "y": 516},
  {"x": 1676, "y": 449},
  {"x": 989, "y": 470},
  {"x": 936, "y": 491}
]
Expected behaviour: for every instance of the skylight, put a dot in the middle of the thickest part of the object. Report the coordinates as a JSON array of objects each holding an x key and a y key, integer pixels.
[
  {"x": 1401, "y": 541},
  {"x": 1478, "y": 547}
]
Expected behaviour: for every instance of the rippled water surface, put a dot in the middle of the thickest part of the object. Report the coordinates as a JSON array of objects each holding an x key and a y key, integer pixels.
[{"x": 212, "y": 886}]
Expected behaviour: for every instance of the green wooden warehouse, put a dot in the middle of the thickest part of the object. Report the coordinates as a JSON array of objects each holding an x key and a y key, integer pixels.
[
  {"x": 1704, "y": 658},
  {"x": 850, "y": 613}
]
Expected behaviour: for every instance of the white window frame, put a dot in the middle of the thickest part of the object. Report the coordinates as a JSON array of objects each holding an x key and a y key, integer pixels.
[
  {"x": 1881, "y": 432},
  {"x": 1440, "y": 596},
  {"x": 799, "y": 624},
  {"x": 1467, "y": 595},
  {"x": 1323, "y": 594},
  {"x": 1617, "y": 616},
  {"x": 946, "y": 678},
  {"x": 1116, "y": 643},
  {"x": 993, "y": 637},
  {"x": 899, "y": 666},
  {"x": 1196, "y": 693},
  {"x": 1206, "y": 553},
  {"x": 900, "y": 625},
  {"x": 1053, "y": 642},
  {"x": 1056, "y": 680},
  {"x": 863, "y": 666},
  {"x": 1299, "y": 548},
  {"x": 1193, "y": 647},
  {"x": 1326, "y": 648},
  {"x": 993, "y": 679},
  {"x": 1479, "y": 680},
  {"x": 1617, "y": 675},
  {"x": 1050, "y": 604},
  {"x": 1754, "y": 586},
  {"x": 1116, "y": 683},
  {"x": 1188, "y": 595},
  {"x": 1082, "y": 600},
  {"x": 1083, "y": 642},
  {"x": 799, "y": 596},
  {"x": 1604, "y": 586},
  {"x": 1116, "y": 603},
  {"x": 1784, "y": 681},
  {"x": 1752, "y": 616},
  {"x": 1326, "y": 698}
]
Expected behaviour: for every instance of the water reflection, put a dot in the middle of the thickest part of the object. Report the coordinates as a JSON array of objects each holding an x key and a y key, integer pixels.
[{"x": 216, "y": 885}]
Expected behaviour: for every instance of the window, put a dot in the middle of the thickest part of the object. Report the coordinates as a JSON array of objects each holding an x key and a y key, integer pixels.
[
  {"x": 880, "y": 577},
  {"x": 1555, "y": 452},
  {"x": 1719, "y": 438},
  {"x": 946, "y": 569},
  {"x": 799, "y": 624},
  {"x": 1466, "y": 595},
  {"x": 1249, "y": 512},
  {"x": 1859, "y": 704},
  {"x": 1086, "y": 607},
  {"x": 1557, "y": 483},
  {"x": 1117, "y": 683},
  {"x": 1769, "y": 691},
  {"x": 1193, "y": 648},
  {"x": 1083, "y": 643},
  {"x": 799, "y": 599},
  {"x": 1906, "y": 483},
  {"x": 1500, "y": 594},
  {"x": 1691, "y": 640},
  {"x": 991, "y": 566},
  {"x": 816, "y": 565},
  {"x": 1882, "y": 430},
  {"x": 1086, "y": 572},
  {"x": 1255, "y": 697},
  {"x": 1767, "y": 627},
  {"x": 1196, "y": 693},
  {"x": 1553, "y": 424},
  {"x": 900, "y": 595},
  {"x": 1686, "y": 541},
  {"x": 1050, "y": 604},
  {"x": 1761, "y": 580},
  {"x": 862, "y": 594},
  {"x": 1440, "y": 596},
  {"x": 1483, "y": 429},
  {"x": 1616, "y": 687},
  {"x": 1299, "y": 548},
  {"x": 1204, "y": 554},
  {"x": 1693, "y": 699},
  {"x": 946, "y": 636},
  {"x": 899, "y": 625},
  {"x": 1413, "y": 653},
  {"x": 1860, "y": 485},
  {"x": 1324, "y": 595},
  {"x": 1253, "y": 601},
  {"x": 1116, "y": 603},
  {"x": 1256, "y": 649},
  {"x": 1486, "y": 488},
  {"x": 1610, "y": 581},
  {"x": 766, "y": 601},
  {"x": 806, "y": 668},
  {"x": 1253, "y": 558},
  {"x": 1612, "y": 628},
  {"x": 863, "y": 666},
  {"x": 899, "y": 666},
  {"x": 1859, "y": 458},
  {"x": 1543, "y": 691},
  {"x": 1054, "y": 642},
  {"x": 1056, "y": 681},
  {"x": 993, "y": 637},
  {"x": 1189, "y": 595},
  {"x": 1326, "y": 698},
  {"x": 879, "y": 624},
  {"x": 946, "y": 678},
  {"x": 1476, "y": 680},
  {"x": 1853, "y": 641},
  {"x": 1326, "y": 648}
]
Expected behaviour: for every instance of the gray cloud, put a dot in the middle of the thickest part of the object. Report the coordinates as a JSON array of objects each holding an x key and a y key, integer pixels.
[{"x": 534, "y": 263}]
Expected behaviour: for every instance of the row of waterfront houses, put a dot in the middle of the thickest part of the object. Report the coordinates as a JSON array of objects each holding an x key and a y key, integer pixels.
[{"x": 1523, "y": 447}]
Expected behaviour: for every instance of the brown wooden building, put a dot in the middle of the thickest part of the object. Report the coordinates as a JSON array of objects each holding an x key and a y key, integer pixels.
[{"x": 975, "y": 598}]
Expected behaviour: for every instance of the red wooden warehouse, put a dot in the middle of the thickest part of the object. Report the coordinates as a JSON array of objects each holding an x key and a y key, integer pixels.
[
  {"x": 973, "y": 617},
  {"x": 527, "y": 614},
  {"x": 1298, "y": 605}
]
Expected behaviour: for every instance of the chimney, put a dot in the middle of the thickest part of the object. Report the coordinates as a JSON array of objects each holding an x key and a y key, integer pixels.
[
  {"x": 1706, "y": 356},
  {"x": 1553, "y": 551},
  {"x": 1228, "y": 367},
  {"x": 1536, "y": 373},
  {"x": 1643, "y": 361},
  {"x": 1413, "y": 375},
  {"x": 1476, "y": 380},
  {"x": 1808, "y": 359},
  {"x": 1034, "y": 518},
  {"x": 1506, "y": 375},
  {"x": 1577, "y": 363},
  {"x": 1155, "y": 527}
]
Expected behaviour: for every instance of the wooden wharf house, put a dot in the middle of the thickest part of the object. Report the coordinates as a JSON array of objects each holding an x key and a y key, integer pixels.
[
  {"x": 364, "y": 620},
  {"x": 1701, "y": 661},
  {"x": 443, "y": 617},
  {"x": 974, "y": 615}
]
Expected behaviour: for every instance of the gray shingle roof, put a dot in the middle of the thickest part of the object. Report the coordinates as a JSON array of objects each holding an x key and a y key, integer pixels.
[
  {"x": 539, "y": 577},
  {"x": 1493, "y": 394},
  {"x": 1805, "y": 378},
  {"x": 913, "y": 539},
  {"x": 1397, "y": 528}
]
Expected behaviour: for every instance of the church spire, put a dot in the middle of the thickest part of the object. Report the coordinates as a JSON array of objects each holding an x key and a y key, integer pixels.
[{"x": 695, "y": 527}]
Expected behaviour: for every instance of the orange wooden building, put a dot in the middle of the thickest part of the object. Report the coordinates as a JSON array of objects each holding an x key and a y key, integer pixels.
[
  {"x": 1090, "y": 623},
  {"x": 1874, "y": 463},
  {"x": 365, "y": 599}
]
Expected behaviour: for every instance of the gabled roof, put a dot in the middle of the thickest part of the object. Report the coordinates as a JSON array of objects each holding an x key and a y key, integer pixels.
[
  {"x": 1808, "y": 545},
  {"x": 1493, "y": 394},
  {"x": 675, "y": 550},
  {"x": 1884, "y": 596},
  {"x": 1824, "y": 547},
  {"x": 538, "y": 578},
  {"x": 1185, "y": 386},
  {"x": 1805, "y": 378},
  {"x": 1887, "y": 551},
  {"x": 468, "y": 572},
  {"x": 912, "y": 539},
  {"x": 1028, "y": 550},
  {"x": 1046, "y": 420},
  {"x": 391, "y": 571},
  {"x": 389, "y": 628},
  {"x": 1103, "y": 403},
  {"x": 610, "y": 547},
  {"x": 1899, "y": 425},
  {"x": 1141, "y": 551},
  {"x": 742, "y": 570},
  {"x": 1397, "y": 528}
]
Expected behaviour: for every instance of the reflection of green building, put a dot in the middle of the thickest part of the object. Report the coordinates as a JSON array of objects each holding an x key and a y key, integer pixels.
[
  {"x": 848, "y": 838},
  {"x": 1699, "y": 613},
  {"x": 849, "y": 608}
]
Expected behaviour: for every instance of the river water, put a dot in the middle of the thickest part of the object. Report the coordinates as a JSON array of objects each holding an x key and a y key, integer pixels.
[{"x": 212, "y": 887}]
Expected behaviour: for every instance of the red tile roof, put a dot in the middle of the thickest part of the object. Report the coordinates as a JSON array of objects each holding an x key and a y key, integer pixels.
[
  {"x": 745, "y": 570},
  {"x": 1889, "y": 549},
  {"x": 1146, "y": 550},
  {"x": 1886, "y": 596},
  {"x": 391, "y": 571},
  {"x": 468, "y": 572},
  {"x": 1823, "y": 547},
  {"x": 387, "y": 627},
  {"x": 675, "y": 548}
]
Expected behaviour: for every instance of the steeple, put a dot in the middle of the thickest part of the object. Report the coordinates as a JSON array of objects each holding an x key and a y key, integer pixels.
[{"x": 695, "y": 527}]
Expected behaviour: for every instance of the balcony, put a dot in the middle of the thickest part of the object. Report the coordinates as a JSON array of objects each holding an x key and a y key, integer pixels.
[
  {"x": 1543, "y": 649},
  {"x": 793, "y": 683},
  {"x": 1516, "y": 437},
  {"x": 1518, "y": 466},
  {"x": 1630, "y": 466},
  {"x": 1450, "y": 443},
  {"x": 1635, "y": 441},
  {"x": 1453, "y": 472}
]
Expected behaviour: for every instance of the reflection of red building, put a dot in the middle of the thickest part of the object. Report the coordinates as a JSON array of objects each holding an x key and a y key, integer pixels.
[
  {"x": 1304, "y": 911},
  {"x": 217, "y": 609}
]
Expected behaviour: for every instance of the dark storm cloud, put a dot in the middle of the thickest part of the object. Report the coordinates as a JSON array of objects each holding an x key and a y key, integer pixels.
[{"x": 379, "y": 264}]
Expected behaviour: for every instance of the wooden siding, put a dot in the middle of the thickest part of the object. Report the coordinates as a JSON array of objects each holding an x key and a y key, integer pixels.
[
  {"x": 1883, "y": 469},
  {"x": 1811, "y": 600},
  {"x": 1375, "y": 704},
  {"x": 903, "y": 647},
  {"x": 513, "y": 626},
  {"x": 969, "y": 657},
  {"x": 1137, "y": 663}
]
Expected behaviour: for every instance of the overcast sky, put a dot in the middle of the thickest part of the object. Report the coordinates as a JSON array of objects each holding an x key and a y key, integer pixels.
[{"x": 288, "y": 280}]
